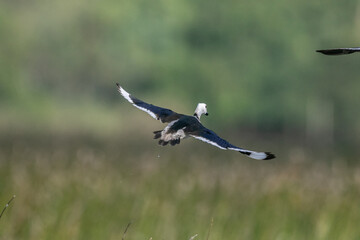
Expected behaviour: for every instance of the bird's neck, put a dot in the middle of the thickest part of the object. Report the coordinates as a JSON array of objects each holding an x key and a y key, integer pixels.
[{"x": 197, "y": 116}]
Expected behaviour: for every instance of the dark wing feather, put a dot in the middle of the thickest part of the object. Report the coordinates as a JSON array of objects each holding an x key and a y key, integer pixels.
[
  {"x": 339, "y": 51},
  {"x": 212, "y": 138},
  {"x": 159, "y": 113}
]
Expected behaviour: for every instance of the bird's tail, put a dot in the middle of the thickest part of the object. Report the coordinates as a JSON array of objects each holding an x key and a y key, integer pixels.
[{"x": 172, "y": 142}]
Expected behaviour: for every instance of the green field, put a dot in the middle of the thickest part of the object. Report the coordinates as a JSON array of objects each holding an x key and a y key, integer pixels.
[{"x": 86, "y": 188}]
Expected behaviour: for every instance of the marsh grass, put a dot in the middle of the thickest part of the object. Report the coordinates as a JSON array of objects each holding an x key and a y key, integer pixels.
[
  {"x": 193, "y": 237},
  {"x": 7, "y": 205},
  {"x": 211, "y": 224},
  {"x": 79, "y": 189},
  {"x": 126, "y": 229}
]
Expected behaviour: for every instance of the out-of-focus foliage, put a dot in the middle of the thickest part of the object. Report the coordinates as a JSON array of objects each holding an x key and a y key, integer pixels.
[
  {"x": 75, "y": 190},
  {"x": 253, "y": 62}
]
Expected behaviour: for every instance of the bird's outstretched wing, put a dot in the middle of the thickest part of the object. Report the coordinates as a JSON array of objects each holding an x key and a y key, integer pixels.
[
  {"x": 339, "y": 51},
  {"x": 209, "y": 136},
  {"x": 162, "y": 114}
]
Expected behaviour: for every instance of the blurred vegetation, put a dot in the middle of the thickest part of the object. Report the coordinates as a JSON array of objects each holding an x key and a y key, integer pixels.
[
  {"x": 252, "y": 62},
  {"x": 70, "y": 145},
  {"x": 93, "y": 190}
]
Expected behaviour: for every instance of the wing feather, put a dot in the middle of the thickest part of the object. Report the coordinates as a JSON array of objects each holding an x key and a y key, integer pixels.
[
  {"x": 212, "y": 138},
  {"x": 159, "y": 113}
]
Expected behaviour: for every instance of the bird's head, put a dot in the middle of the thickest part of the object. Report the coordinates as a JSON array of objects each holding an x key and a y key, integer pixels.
[{"x": 200, "y": 109}]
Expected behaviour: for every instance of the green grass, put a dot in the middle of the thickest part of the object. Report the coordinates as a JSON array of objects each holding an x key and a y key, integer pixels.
[{"x": 84, "y": 189}]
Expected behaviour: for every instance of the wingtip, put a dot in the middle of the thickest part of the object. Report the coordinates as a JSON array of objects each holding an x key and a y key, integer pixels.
[
  {"x": 269, "y": 156},
  {"x": 118, "y": 87},
  {"x": 124, "y": 93},
  {"x": 321, "y": 51}
]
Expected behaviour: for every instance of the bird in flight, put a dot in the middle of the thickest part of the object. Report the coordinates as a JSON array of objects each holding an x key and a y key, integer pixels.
[
  {"x": 181, "y": 126},
  {"x": 339, "y": 51}
]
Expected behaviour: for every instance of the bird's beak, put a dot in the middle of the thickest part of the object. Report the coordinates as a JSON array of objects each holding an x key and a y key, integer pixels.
[{"x": 206, "y": 114}]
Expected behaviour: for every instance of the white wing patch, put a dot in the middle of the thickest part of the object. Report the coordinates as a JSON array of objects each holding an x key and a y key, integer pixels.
[
  {"x": 146, "y": 110},
  {"x": 126, "y": 95},
  {"x": 258, "y": 155},
  {"x": 208, "y": 141},
  {"x": 254, "y": 155}
]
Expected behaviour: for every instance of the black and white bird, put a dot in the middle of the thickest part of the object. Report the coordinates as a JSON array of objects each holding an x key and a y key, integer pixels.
[
  {"x": 181, "y": 126},
  {"x": 339, "y": 51}
]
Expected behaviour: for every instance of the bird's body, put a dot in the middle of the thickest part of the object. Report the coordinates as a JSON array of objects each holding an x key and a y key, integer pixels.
[
  {"x": 176, "y": 130},
  {"x": 339, "y": 51},
  {"x": 181, "y": 126}
]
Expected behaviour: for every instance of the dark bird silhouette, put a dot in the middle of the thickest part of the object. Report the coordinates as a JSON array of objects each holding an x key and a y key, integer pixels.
[{"x": 339, "y": 51}]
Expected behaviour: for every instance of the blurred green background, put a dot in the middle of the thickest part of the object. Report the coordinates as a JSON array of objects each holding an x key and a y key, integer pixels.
[{"x": 82, "y": 161}]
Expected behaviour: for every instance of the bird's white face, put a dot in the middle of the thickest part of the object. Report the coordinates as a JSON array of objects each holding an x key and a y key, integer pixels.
[{"x": 201, "y": 109}]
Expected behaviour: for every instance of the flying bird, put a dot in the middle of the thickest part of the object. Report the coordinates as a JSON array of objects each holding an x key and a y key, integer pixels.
[
  {"x": 181, "y": 126},
  {"x": 339, "y": 51}
]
